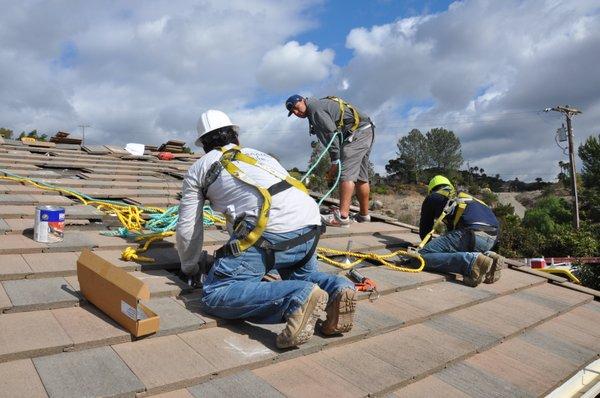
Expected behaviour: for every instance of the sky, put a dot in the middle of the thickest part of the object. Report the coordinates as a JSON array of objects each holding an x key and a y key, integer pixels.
[{"x": 144, "y": 71}]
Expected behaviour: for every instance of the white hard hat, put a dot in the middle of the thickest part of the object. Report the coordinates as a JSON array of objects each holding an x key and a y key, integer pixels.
[{"x": 212, "y": 120}]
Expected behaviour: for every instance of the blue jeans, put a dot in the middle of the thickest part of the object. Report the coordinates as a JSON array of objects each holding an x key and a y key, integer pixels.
[
  {"x": 451, "y": 253},
  {"x": 233, "y": 288}
]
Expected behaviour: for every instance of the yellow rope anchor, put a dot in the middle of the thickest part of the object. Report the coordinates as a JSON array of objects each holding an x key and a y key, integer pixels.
[{"x": 381, "y": 258}]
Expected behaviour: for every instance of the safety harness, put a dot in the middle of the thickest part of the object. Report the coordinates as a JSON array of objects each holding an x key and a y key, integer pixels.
[
  {"x": 343, "y": 105},
  {"x": 244, "y": 236},
  {"x": 457, "y": 203}
]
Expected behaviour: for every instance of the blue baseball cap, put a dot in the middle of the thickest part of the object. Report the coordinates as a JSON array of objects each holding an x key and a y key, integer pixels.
[{"x": 290, "y": 102}]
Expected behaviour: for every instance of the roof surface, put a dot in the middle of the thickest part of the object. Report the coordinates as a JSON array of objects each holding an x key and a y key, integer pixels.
[{"x": 428, "y": 334}]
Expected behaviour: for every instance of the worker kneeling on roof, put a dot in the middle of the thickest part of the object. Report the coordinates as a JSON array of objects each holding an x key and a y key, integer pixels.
[
  {"x": 274, "y": 224},
  {"x": 350, "y": 149},
  {"x": 472, "y": 232}
]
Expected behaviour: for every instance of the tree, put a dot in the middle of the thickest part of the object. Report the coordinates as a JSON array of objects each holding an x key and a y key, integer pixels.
[
  {"x": 589, "y": 152},
  {"x": 6, "y": 133},
  {"x": 563, "y": 175},
  {"x": 548, "y": 214},
  {"x": 444, "y": 149},
  {"x": 371, "y": 171},
  {"x": 412, "y": 154},
  {"x": 317, "y": 181},
  {"x": 34, "y": 134}
]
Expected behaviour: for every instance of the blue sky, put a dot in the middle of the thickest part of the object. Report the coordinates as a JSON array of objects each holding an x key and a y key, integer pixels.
[{"x": 335, "y": 19}]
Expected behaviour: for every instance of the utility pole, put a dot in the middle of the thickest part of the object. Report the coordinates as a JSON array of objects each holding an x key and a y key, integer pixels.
[
  {"x": 83, "y": 126},
  {"x": 569, "y": 113}
]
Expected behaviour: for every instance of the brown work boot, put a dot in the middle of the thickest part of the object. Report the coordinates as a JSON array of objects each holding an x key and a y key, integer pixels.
[
  {"x": 340, "y": 313},
  {"x": 481, "y": 266},
  {"x": 493, "y": 275},
  {"x": 301, "y": 323}
]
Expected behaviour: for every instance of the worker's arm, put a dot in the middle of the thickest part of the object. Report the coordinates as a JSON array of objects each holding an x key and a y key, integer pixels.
[
  {"x": 325, "y": 128},
  {"x": 431, "y": 209},
  {"x": 190, "y": 232}
]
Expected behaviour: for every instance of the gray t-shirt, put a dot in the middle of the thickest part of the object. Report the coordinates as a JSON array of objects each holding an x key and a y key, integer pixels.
[{"x": 323, "y": 116}]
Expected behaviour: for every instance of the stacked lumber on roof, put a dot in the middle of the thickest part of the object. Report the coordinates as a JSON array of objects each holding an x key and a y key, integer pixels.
[
  {"x": 173, "y": 146},
  {"x": 62, "y": 137}
]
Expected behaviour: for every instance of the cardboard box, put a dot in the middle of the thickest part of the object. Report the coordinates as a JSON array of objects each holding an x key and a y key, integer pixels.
[{"x": 116, "y": 293}]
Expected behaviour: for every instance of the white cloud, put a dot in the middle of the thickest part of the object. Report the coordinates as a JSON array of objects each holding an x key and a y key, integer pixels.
[
  {"x": 486, "y": 67},
  {"x": 293, "y": 66},
  {"x": 143, "y": 71}
]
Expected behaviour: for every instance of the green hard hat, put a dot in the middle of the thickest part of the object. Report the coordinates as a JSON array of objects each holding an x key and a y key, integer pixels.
[{"x": 436, "y": 181}]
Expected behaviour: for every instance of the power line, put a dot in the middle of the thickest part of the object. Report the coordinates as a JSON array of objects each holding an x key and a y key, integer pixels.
[{"x": 416, "y": 123}]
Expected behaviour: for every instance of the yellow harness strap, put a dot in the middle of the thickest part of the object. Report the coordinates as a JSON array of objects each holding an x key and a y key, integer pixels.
[
  {"x": 457, "y": 202},
  {"x": 462, "y": 201},
  {"x": 343, "y": 105},
  {"x": 235, "y": 154}
]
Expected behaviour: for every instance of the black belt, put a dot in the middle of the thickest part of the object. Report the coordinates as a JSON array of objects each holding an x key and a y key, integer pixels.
[
  {"x": 271, "y": 248},
  {"x": 488, "y": 229}
]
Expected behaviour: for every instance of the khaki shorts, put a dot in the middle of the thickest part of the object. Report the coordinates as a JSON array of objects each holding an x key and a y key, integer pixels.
[{"x": 355, "y": 156}]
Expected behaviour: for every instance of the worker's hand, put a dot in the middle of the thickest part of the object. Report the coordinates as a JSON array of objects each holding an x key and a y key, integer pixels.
[{"x": 332, "y": 172}]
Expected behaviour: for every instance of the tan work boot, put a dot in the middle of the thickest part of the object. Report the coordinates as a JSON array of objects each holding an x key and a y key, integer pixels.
[
  {"x": 481, "y": 266},
  {"x": 340, "y": 313},
  {"x": 301, "y": 323},
  {"x": 493, "y": 275}
]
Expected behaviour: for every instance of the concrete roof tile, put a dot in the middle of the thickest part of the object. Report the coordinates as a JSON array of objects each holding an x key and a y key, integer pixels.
[
  {"x": 13, "y": 266},
  {"x": 33, "y": 294},
  {"x": 164, "y": 363},
  {"x": 89, "y": 373},
  {"x": 243, "y": 384},
  {"x": 303, "y": 377},
  {"x": 31, "y": 334},
  {"x": 20, "y": 379},
  {"x": 88, "y": 327},
  {"x": 226, "y": 349}
]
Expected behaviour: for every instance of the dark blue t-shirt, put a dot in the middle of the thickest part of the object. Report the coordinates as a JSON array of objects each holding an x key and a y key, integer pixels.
[{"x": 475, "y": 213}]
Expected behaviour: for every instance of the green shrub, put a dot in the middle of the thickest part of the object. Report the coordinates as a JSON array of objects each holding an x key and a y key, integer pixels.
[
  {"x": 488, "y": 197},
  {"x": 589, "y": 275},
  {"x": 380, "y": 189},
  {"x": 548, "y": 215}
]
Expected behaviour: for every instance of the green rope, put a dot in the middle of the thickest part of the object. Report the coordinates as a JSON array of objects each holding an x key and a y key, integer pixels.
[
  {"x": 310, "y": 170},
  {"x": 339, "y": 171}
]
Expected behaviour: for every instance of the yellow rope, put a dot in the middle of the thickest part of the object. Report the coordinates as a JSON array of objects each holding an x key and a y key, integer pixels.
[
  {"x": 381, "y": 258},
  {"x": 131, "y": 254},
  {"x": 130, "y": 216}
]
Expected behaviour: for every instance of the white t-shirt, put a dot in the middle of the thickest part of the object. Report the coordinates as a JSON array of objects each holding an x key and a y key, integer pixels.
[{"x": 291, "y": 209}]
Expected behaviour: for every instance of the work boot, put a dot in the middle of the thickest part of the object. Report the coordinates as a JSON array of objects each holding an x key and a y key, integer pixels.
[
  {"x": 335, "y": 219},
  {"x": 301, "y": 323},
  {"x": 493, "y": 274},
  {"x": 340, "y": 313},
  {"x": 481, "y": 266}
]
